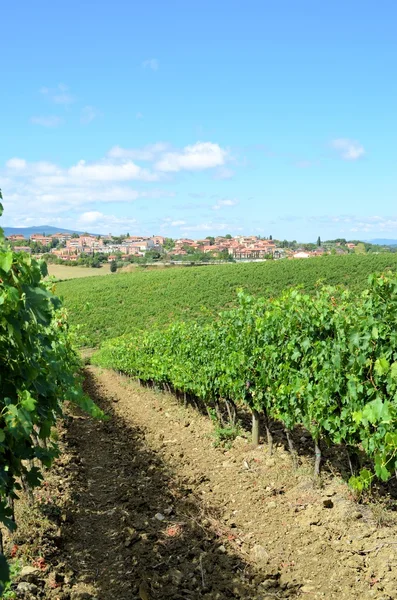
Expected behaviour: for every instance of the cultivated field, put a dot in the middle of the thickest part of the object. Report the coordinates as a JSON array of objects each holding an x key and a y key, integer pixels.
[
  {"x": 62, "y": 272},
  {"x": 110, "y": 306}
]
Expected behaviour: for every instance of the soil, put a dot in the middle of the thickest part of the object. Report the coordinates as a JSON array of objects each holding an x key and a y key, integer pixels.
[{"x": 144, "y": 506}]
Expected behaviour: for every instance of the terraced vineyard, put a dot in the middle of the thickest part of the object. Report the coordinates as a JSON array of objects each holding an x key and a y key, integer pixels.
[{"x": 107, "y": 307}]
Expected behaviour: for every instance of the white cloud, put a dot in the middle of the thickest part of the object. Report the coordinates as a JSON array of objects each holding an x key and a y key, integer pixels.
[
  {"x": 19, "y": 164},
  {"x": 88, "y": 218},
  {"x": 197, "y": 157},
  {"x": 88, "y": 114},
  {"x": 59, "y": 95},
  {"x": 151, "y": 63},
  {"x": 42, "y": 191},
  {"x": 346, "y": 224},
  {"x": 147, "y": 153},
  {"x": 103, "y": 222},
  {"x": 348, "y": 149},
  {"x": 103, "y": 171},
  {"x": 225, "y": 202},
  {"x": 49, "y": 121}
]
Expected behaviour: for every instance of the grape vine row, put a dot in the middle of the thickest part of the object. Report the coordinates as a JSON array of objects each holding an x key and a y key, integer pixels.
[{"x": 325, "y": 361}]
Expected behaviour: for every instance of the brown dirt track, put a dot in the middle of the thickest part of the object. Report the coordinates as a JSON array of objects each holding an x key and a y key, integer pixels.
[{"x": 151, "y": 510}]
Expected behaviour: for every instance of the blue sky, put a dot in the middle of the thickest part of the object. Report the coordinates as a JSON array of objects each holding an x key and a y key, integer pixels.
[{"x": 201, "y": 118}]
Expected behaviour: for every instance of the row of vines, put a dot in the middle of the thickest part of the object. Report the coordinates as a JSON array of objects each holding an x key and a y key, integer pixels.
[
  {"x": 325, "y": 361},
  {"x": 38, "y": 367}
]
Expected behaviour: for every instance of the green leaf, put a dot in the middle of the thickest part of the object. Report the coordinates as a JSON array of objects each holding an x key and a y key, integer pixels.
[
  {"x": 393, "y": 371},
  {"x": 34, "y": 477},
  {"x": 5, "y": 261},
  {"x": 2, "y": 435},
  {"x": 382, "y": 366},
  {"x": 377, "y": 411},
  {"x": 4, "y": 568},
  {"x": 380, "y": 469},
  {"x": 27, "y": 401}
]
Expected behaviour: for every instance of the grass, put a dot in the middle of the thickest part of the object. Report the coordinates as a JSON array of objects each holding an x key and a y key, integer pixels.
[
  {"x": 62, "y": 272},
  {"x": 107, "y": 307}
]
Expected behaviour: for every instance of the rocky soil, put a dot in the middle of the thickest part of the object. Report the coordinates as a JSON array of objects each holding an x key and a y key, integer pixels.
[{"x": 144, "y": 506}]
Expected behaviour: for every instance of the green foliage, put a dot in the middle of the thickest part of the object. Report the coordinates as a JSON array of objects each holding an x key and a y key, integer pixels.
[
  {"x": 38, "y": 366},
  {"x": 169, "y": 244},
  {"x": 225, "y": 435},
  {"x": 14, "y": 570},
  {"x": 113, "y": 266},
  {"x": 144, "y": 299},
  {"x": 326, "y": 361}
]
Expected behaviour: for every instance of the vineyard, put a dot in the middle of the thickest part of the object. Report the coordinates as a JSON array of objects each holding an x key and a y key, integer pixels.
[
  {"x": 325, "y": 361},
  {"x": 315, "y": 362},
  {"x": 38, "y": 367},
  {"x": 106, "y": 307}
]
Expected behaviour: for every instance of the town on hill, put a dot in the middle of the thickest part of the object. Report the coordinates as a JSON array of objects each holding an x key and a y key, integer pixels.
[{"x": 72, "y": 248}]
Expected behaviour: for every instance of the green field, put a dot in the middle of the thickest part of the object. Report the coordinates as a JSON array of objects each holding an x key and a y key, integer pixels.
[{"x": 106, "y": 306}]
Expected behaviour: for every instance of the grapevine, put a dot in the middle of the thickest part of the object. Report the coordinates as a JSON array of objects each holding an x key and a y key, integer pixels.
[
  {"x": 325, "y": 361},
  {"x": 38, "y": 372}
]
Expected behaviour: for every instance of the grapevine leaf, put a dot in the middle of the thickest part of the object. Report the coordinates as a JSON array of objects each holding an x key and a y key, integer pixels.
[
  {"x": 5, "y": 261},
  {"x": 382, "y": 366},
  {"x": 393, "y": 371}
]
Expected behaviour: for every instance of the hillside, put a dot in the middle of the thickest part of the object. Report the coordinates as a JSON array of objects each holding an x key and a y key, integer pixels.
[
  {"x": 42, "y": 229},
  {"x": 106, "y": 306}
]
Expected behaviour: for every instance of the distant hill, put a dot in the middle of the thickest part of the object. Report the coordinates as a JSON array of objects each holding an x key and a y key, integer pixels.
[
  {"x": 385, "y": 242},
  {"x": 45, "y": 229}
]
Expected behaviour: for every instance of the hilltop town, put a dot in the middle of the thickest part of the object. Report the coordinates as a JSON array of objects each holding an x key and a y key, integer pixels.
[{"x": 71, "y": 248}]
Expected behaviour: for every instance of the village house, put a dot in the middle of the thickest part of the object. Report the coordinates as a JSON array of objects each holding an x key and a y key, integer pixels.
[
  {"x": 143, "y": 245},
  {"x": 185, "y": 242},
  {"x": 66, "y": 253},
  {"x": 41, "y": 239},
  {"x": 74, "y": 244},
  {"x": 158, "y": 240},
  {"x": 61, "y": 237},
  {"x": 16, "y": 237}
]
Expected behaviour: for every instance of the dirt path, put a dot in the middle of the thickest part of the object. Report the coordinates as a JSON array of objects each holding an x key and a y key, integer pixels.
[
  {"x": 154, "y": 512},
  {"x": 138, "y": 529}
]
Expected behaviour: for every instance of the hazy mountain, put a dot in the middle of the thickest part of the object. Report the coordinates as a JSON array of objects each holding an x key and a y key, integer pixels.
[
  {"x": 383, "y": 242},
  {"x": 45, "y": 229}
]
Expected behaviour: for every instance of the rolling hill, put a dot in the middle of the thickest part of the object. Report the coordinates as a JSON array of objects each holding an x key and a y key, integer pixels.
[{"x": 108, "y": 306}]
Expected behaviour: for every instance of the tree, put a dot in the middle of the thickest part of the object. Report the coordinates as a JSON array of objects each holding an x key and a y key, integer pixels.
[
  {"x": 270, "y": 237},
  {"x": 75, "y": 235},
  {"x": 168, "y": 244},
  {"x": 211, "y": 240},
  {"x": 360, "y": 248},
  {"x": 113, "y": 266},
  {"x": 153, "y": 255},
  {"x": 318, "y": 241},
  {"x": 228, "y": 236}
]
